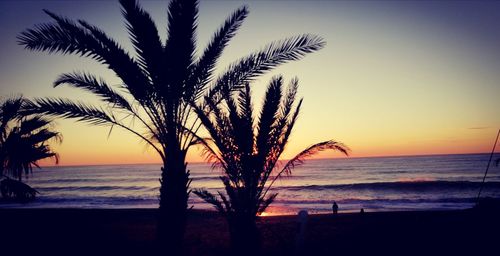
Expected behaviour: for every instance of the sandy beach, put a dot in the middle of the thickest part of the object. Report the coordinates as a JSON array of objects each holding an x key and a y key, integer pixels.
[{"x": 132, "y": 232}]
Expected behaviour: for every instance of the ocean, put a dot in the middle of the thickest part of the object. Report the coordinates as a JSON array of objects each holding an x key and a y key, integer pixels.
[{"x": 437, "y": 182}]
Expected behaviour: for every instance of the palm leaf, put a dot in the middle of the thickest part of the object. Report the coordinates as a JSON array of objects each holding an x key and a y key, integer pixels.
[
  {"x": 118, "y": 60},
  {"x": 286, "y": 132},
  {"x": 145, "y": 38},
  {"x": 238, "y": 128},
  {"x": 264, "y": 203},
  {"x": 310, "y": 151},
  {"x": 210, "y": 126},
  {"x": 24, "y": 142},
  {"x": 302, "y": 156},
  {"x": 94, "y": 85},
  {"x": 44, "y": 152},
  {"x": 246, "y": 116},
  {"x": 269, "y": 57},
  {"x": 67, "y": 37},
  {"x": 31, "y": 124},
  {"x": 43, "y": 135},
  {"x": 81, "y": 112},
  {"x": 286, "y": 107},
  {"x": 226, "y": 202},
  {"x": 180, "y": 45},
  {"x": 69, "y": 109},
  {"x": 53, "y": 38},
  {"x": 220, "y": 128},
  {"x": 209, "y": 152},
  {"x": 268, "y": 116},
  {"x": 209, "y": 198},
  {"x": 285, "y": 120},
  {"x": 10, "y": 111},
  {"x": 202, "y": 72}
]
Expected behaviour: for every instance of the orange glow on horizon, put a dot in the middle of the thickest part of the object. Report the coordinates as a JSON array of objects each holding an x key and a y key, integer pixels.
[
  {"x": 117, "y": 159},
  {"x": 263, "y": 214}
]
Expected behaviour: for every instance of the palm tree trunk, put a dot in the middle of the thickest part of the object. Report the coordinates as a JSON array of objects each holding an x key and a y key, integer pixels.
[
  {"x": 1, "y": 166},
  {"x": 173, "y": 207},
  {"x": 245, "y": 236}
]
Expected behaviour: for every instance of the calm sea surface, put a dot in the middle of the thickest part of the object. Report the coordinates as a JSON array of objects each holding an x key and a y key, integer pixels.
[{"x": 375, "y": 184}]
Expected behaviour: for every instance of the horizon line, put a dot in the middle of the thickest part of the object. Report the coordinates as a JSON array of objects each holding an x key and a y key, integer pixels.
[{"x": 312, "y": 159}]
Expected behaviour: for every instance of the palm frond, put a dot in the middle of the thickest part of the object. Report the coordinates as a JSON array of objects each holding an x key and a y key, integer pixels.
[
  {"x": 226, "y": 202},
  {"x": 202, "y": 71},
  {"x": 94, "y": 85},
  {"x": 25, "y": 141},
  {"x": 42, "y": 136},
  {"x": 81, "y": 112},
  {"x": 31, "y": 124},
  {"x": 239, "y": 129},
  {"x": 118, "y": 60},
  {"x": 209, "y": 198},
  {"x": 10, "y": 110},
  {"x": 180, "y": 45},
  {"x": 209, "y": 152},
  {"x": 53, "y": 38},
  {"x": 287, "y": 130},
  {"x": 312, "y": 150},
  {"x": 245, "y": 113},
  {"x": 39, "y": 152},
  {"x": 268, "y": 116},
  {"x": 269, "y": 57},
  {"x": 264, "y": 203},
  {"x": 285, "y": 120},
  {"x": 230, "y": 185},
  {"x": 69, "y": 109},
  {"x": 245, "y": 103},
  {"x": 219, "y": 128},
  {"x": 289, "y": 100},
  {"x": 68, "y": 37},
  {"x": 306, "y": 153},
  {"x": 145, "y": 38}
]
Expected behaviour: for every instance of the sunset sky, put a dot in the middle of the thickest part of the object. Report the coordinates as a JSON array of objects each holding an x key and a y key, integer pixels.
[{"x": 396, "y": 78}]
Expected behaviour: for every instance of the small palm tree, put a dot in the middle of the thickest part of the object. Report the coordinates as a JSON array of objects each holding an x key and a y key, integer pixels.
[
  {"x": 23, "y": 142},
  {"x": 248, "y": 152},
  {"x": 160, "y": 84}
]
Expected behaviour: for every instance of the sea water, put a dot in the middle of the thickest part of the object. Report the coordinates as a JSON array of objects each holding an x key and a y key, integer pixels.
[{"x": 436, "y": 182}]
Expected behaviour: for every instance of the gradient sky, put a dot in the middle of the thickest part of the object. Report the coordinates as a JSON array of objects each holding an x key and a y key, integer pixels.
[{"x": 396, "y": 78}]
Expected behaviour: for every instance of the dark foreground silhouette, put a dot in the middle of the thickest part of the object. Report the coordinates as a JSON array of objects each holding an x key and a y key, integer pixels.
[
  {"x": 16, "y": 191},
  {"x": 132, "y": 232}
]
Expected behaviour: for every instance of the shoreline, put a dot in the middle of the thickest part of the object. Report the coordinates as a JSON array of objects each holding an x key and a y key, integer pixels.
[
  {"x": 58, "y": 231},
  {"x": 311, "y": 212}
]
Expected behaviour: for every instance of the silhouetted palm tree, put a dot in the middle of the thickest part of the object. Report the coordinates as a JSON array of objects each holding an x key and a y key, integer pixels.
[
  {"x": 23, "y": 142},
  {"x": 248, "y": 152},
  {"x": 160, "y": 83}
]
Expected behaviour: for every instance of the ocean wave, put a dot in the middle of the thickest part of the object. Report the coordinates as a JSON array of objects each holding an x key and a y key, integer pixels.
[
  {"x": 91, "y": 188},
  {"x": 381, "y": 201},
  {"x": 96, "y": 179},
  {"x": 398, "y": 185},
  {"x": 217, "y": 178},
  {"x": 98, "y": 199},
  {"x": 154, "y": 201}
]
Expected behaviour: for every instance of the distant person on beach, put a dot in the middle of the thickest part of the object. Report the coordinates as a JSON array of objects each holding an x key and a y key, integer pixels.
[
  {"x": 335, "y": 208},
  {"x": 362, "y": 211}
]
